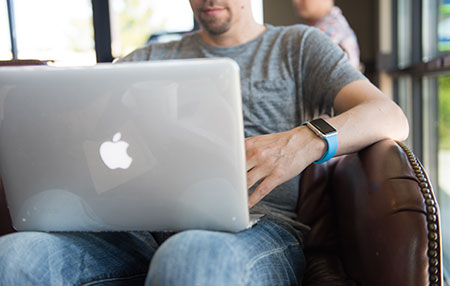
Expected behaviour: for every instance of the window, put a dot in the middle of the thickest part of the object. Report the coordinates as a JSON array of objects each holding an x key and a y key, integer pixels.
[
  {"x": 133, "y": 21},
  {"x": 436, "y": 28},
  {"x": 405, "y": 100},
  {"x": 422, "y": 82},
  {"x": 258, "y": 13},
  {"x": 5, "y": 42},
  {"x": 63, "y": 31},
  {"x": 404, "y": 33},
  {"x": 55, "y": 30},
  {"x": 444, "y": 26},
  {"x": 443, "y": 158}
]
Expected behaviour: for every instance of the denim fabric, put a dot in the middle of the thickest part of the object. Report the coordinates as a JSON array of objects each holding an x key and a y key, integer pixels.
[{"x": 266, "y": 254}]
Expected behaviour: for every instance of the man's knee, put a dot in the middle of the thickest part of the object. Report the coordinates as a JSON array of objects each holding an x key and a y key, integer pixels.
[
  {"x": 23, "y": 255},
  {"x": 23, "y": 246},
  {"x": 200, "y": 257}
]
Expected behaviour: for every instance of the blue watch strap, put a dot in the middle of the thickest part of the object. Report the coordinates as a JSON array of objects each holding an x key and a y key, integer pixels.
[
  {"x": 331, "y": 150},
  {"x": 332, "y": 146}
]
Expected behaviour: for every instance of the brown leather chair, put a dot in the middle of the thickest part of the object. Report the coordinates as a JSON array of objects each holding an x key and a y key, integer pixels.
[{"x": 374, "y": 219}]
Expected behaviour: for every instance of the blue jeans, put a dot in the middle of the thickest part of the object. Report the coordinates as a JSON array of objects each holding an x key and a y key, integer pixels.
[{"x": 266, "y": 254}]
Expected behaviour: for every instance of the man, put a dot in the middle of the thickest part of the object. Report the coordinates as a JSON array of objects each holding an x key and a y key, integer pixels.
[
  {"x": 323, "y": 15},
  {"x": 288, "y": 75}
]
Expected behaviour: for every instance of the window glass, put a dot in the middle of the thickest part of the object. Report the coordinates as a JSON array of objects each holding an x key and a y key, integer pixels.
[
  {"x": 5, "y": 41},
  {"x": 56, "y": 30},
  {"x": 258, "y": 13},
  {"x": 444, "y": 164},
  {"x": 436, "y": 153},
  {"x": 134, "y": 21},
  {"x": 404, "y": 84},
  {"x": 429, "y": 28},
  {"x": 444, "y": 26},
  {"x": 435, "y": 28},
  {"x": 404, "y": 40},
  {"x": 430, "y": 126}
]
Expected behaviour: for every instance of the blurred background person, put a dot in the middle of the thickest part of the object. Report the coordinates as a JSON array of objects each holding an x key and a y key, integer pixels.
[{"x": 323, "y": 14}]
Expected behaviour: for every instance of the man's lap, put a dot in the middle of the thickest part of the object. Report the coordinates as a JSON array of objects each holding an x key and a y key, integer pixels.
[{"x": 98, "y": 258}]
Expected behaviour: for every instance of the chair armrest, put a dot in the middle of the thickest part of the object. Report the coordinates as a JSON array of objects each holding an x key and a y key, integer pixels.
[{"x": 388, "y": 217}]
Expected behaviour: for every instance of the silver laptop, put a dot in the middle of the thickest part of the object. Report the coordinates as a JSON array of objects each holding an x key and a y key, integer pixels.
[{"x": 134, "y": 146}]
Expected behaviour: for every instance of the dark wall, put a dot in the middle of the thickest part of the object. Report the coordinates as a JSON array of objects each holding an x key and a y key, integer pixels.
[
  {"x": 362, "y": 17},
  {"x": 279, "y": 12}
]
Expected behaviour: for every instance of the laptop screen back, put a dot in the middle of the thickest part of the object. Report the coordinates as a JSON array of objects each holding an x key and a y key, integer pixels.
[{"x": 135, "y": 146}]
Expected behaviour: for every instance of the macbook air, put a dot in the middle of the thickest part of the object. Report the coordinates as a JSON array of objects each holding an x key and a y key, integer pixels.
[{"x": 118, "y": 147}]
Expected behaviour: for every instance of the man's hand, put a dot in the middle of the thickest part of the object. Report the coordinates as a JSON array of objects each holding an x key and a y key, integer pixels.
[{"x": 276, "y": 158}]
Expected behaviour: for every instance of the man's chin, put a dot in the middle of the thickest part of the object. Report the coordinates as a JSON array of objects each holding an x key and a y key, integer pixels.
[
  {"x": 216, "y": 29},
  {"x": 215, "y": 26}
]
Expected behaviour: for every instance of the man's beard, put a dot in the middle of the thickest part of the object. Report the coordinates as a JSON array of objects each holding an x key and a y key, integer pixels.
[{"x": 214, "y": 26}]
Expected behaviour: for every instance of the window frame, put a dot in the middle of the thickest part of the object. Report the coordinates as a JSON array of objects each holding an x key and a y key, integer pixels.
[{"x": 426, "y": 64}]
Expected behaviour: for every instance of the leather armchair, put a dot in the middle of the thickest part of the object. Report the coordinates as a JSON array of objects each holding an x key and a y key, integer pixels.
[{"x": 374, "y": 219}]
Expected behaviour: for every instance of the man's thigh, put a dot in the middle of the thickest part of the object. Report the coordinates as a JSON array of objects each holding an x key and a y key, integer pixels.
[
  {"x": 266, "y": 254},
  {"x": 107, "y": 258}
]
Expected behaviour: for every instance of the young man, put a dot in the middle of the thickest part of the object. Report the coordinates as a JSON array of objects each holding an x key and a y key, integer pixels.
[
  {"x": 323, "y": 15},
  {"x": 289, "y": 75}
]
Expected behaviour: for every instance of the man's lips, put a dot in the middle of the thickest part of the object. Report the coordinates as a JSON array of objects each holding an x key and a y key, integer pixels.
[{"x": 212, "y": 11}]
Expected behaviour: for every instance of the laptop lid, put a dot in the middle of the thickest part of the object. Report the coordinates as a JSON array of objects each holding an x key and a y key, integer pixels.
[{"x": 133, "y": 146}]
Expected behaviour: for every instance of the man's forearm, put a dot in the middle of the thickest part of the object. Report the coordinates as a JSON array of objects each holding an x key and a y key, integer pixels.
[
  {"x": 362, "y": 122},
  {"x": 368, "y": 123}
]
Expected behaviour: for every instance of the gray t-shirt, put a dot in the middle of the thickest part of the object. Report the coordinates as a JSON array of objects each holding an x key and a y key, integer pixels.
[{"x": 288, "y": 75}]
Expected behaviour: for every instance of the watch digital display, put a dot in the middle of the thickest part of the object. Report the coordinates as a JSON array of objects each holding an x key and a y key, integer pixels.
[{"x": 322, "y": 126}]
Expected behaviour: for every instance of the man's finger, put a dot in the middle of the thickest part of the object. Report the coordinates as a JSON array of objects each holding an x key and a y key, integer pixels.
[
  {"x": 250, "y": 163},
  {"x": 252, "y": 157},
  {"x": 266, "y": 186},
  {"x": 254, "y": 176}
]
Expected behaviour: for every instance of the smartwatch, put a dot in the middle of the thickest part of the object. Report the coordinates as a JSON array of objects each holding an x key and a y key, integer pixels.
[{"x": 327, "y": 132}]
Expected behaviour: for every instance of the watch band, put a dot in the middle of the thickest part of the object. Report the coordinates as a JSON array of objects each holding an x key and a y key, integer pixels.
[{"x": 330, "y": 138}]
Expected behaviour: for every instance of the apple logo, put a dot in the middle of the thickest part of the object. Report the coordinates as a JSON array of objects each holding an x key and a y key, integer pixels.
[{"x": 114, "y": 153}]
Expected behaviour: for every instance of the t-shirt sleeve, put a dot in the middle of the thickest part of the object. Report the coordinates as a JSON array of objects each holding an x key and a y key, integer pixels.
[{"x": 324, "y": 71}]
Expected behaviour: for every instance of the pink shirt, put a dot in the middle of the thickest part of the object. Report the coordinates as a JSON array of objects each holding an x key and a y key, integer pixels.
[{"x": 337, "y": 28}]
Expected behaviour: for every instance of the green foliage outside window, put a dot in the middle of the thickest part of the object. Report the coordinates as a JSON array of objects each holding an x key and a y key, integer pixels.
[
  {"x": 444, "y": 112},
  {"x": 135, "y": 24}
]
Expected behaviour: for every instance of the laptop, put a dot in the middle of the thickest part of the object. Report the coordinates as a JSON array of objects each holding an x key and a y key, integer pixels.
[{"x": 154, "y": 146}]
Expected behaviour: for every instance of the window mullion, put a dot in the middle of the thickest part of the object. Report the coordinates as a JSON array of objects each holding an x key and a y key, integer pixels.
[{"x": 12, "y": 28}]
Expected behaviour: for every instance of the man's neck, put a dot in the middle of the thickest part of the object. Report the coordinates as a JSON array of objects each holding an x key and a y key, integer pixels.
[{"x": 237, "y": 35}]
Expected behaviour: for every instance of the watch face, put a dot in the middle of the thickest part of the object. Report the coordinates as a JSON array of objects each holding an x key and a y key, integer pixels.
[{"x": 323, "y": 126}]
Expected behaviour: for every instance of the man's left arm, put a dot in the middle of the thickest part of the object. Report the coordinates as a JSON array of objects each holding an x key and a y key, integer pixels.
[{"x": 364, "y": 116}]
